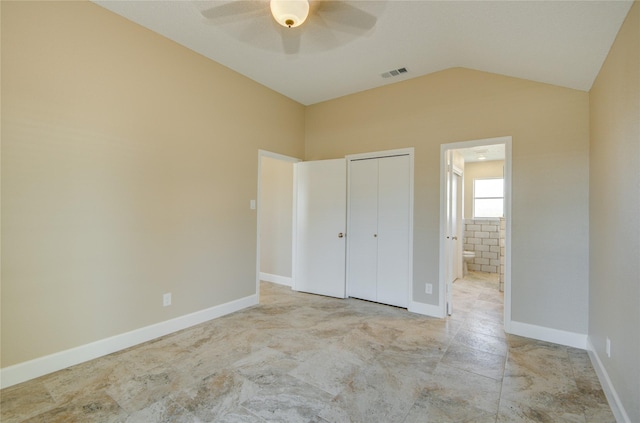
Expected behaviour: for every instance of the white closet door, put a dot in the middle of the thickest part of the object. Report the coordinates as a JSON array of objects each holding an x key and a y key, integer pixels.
[
  {"x": 362, "y": 226},
  {"x": 393, "y": 230},
  {"x": 321, "y": 203}
]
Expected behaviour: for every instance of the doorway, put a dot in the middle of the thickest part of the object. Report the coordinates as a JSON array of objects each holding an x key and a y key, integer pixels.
[
  {"x": 275, "y": 219},
  {"x": 453, "y": 177}
]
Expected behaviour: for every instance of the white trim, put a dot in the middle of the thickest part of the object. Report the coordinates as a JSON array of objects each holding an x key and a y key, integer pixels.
[
  {"x": 556, "y": 336},
  {"x": 607, "y": 386},
  {"x": 32, "y": 369},
  {"x": 426, "y": 309},
  {"x": 508, "y": 178},
  {"x": 261, "y": 154},
  {"x": 409, "y": 151},
  {"x": 280, "y": 280},
  {"x": 442, "y": 261},
  {"x": 294, "y": 231}
]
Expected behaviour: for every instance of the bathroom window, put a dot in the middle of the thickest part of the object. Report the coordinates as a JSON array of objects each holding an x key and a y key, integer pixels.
[{"x": 488, "y": 197}]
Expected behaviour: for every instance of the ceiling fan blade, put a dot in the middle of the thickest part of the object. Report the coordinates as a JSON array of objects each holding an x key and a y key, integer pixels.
[
  {"x": 346, "y": 16},
  {"x": 235, "y": 9},
  {"x": 320, "y": 35},
  {"x": 290, "y": 40}
]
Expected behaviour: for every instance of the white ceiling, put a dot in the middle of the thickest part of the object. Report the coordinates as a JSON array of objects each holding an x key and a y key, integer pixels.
[
  {"x": 339, "y": 50},
  {"x": 483, "y": 153}
]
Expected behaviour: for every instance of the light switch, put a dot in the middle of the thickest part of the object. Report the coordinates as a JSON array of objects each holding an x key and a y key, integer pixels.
[{"x": 252, "y": 204}]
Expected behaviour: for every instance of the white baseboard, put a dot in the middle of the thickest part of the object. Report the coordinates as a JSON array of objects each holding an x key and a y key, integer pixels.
[
  {"x": 612, "y": 396},
  {"x": 426, "y": 309},
  {"x": 281, "y": 280},
  {"x": 32, "y": 369},
  {"x": 556, "y": 336}
]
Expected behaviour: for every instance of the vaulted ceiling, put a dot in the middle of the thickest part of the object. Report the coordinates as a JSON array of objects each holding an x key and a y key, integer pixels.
[{"x": 346, "y": 46}]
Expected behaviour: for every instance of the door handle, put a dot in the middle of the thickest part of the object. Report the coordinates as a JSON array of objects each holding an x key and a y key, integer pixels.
[
  {"x": 375, "y": 235},
  {"x": 340, "y": 235}
]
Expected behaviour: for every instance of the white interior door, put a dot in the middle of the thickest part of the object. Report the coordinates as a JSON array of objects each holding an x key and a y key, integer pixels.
[
  {"x": 455, "y": 188},
  {"x": 450, "y": 233},
  {"x": 363, "y": 223},
  {"x": 321, "y": 197},
  {"x": 459, "y": 226},
  {"x": 393, "y": 230}
]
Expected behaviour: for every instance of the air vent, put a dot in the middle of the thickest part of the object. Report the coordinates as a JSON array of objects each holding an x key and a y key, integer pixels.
[{"x": 394, "y": 72}]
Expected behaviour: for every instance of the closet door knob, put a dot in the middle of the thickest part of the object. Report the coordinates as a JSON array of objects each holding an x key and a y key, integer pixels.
[
  {"x": 340, "y": 235},
  {"x": 375, "y": 235}
]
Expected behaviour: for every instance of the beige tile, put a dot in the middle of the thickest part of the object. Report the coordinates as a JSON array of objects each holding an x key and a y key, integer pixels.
[
  {"x": 141, "y": 391},
  {"x": 216, "y": 395},
  {"x": 373, "y": 395},
  {"x": 300, "y": 357},
  {"x": 528, "y": 372},
  {"x": 86, "y": 378},
  {"x": 265, "y": 366},
  {"x": 441, "y": 410},
  {"x": 426, "y": 339},
  {"x": 487, "y": 327},
  {"x": 599, "y": 413},
  {"x": 329, "y": 368},
  {"x": 23, "y": 401},
  {"x": 239, "y": 415},
  {"x": 288, "y": 399},
  {"x": 482, "y": 342},
  {"x": 526, "y": 412},
  {"x": 98, "y": 408},
  {"x": 475, "y": 361},
  {"x": 454, "y": 395},
  {"x": 163, "y": 411},
  {"x": 143, "y": 358}
]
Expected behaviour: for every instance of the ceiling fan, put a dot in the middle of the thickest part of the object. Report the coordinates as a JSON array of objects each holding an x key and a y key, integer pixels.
[{"x": 294, "y": 26}]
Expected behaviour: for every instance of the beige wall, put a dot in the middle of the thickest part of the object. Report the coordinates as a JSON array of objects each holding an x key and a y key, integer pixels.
[
  {"x": 475, "y": 170},
  {"x": 276, "y": 217},
  {"x": 550, "y": 131},
  {"x": 614, "y": 271},
  {"x": 128, "y": 163}
]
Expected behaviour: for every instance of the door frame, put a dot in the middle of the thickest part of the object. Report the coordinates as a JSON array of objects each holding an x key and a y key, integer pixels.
[
  {"x": 269, "y": 154},
  {"x": 410, "y": 151},
  {"x": 444, "y": 148}
]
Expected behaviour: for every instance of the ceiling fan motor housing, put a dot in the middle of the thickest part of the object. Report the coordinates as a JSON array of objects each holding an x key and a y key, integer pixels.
[{"x": 290, "y": 13}]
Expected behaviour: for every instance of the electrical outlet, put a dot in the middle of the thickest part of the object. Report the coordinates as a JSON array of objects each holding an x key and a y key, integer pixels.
[
  {"x": 428, "y": 288},
  {"x": 166, "y": 299},
  {"x": 608, "y": 347}
]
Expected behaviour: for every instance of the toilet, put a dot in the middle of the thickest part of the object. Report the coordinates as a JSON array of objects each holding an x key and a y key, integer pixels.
[{"x": 467, "y": 257}]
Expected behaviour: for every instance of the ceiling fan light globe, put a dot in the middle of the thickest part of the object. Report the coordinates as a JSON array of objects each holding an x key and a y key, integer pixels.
[{"x": 289, "y": 13}]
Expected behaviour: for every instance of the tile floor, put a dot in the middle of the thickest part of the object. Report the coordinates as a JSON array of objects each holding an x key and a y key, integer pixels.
[{"x": 305, "y": 358}]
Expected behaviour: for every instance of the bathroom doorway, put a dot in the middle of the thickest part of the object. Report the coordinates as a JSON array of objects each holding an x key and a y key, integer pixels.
[{"x": 475, "y": 232}]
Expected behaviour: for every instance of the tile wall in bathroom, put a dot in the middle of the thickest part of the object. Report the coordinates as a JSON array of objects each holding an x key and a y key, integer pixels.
[{"x": 485, "y": 237}]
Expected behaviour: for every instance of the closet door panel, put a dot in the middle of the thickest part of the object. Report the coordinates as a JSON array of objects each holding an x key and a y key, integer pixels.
[
  {"x": 393, "y": 230},
  {"x": 361, "y": 229}
]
